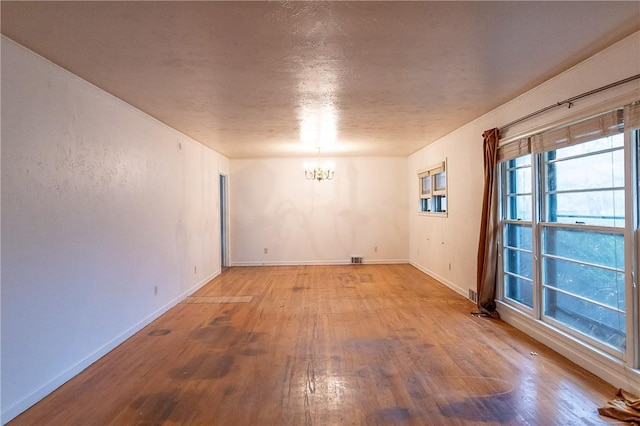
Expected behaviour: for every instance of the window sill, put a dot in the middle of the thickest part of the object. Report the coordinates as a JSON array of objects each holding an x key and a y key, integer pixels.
[{"x": 436, "y": 214}]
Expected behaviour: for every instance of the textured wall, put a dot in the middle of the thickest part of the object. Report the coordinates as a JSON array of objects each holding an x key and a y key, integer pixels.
[
  {"x": 100, "y": 204},
  {"x": 304, "y": 222}
]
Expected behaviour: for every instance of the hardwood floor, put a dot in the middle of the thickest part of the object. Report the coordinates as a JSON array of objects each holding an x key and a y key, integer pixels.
[{"x": 326, "y": 345}]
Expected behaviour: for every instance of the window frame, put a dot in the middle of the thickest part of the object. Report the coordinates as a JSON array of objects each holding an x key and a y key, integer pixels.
[
  {"x": 505, "y": 198},
  {"x": 514, "y": 149},
  {"x": 430, "y": 202},
  {"x": 632, "y": 230},
  {"x": 541, "y": 159}
]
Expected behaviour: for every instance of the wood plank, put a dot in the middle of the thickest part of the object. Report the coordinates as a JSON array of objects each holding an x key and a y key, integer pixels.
[{"x": 366, "y": 344}]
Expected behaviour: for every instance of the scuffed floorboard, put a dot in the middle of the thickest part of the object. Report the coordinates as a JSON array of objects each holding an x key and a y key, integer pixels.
[{"x": 326, "y": 345}]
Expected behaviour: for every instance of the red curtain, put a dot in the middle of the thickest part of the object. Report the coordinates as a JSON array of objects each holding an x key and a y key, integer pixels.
[{"x": 489, "y": 227}]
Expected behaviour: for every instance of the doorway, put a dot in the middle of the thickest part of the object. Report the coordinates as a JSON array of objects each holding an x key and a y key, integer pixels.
[{"x": 224, "y": 222}]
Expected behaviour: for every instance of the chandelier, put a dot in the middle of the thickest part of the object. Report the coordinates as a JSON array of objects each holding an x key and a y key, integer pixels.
[{"x": 317, "y": 171}]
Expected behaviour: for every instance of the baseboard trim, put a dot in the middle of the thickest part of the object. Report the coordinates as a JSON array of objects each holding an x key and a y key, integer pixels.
[
  {"x": 200, "y": 284},
  {"x": 601, "y": 364},
  {"x": 320, "y": 262},
  {"x": 443, "y": 280},
  {"x": 385, "y": 261},
  {"x": 31, "y": 399}
]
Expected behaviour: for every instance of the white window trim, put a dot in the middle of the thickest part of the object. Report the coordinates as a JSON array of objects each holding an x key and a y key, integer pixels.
[{"x": 431, "y": 171}]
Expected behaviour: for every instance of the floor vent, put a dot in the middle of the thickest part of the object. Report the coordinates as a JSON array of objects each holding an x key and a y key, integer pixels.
[
  {"x": 473, "y": 296},
  {"x": 356, "y": 260}
]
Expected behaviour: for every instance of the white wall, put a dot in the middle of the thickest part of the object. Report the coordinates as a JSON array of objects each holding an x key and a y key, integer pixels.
[
  {"x": 309, "y": 222},
  {"x": 434, "y": 242},
  {"x": 100, "y": 203}
]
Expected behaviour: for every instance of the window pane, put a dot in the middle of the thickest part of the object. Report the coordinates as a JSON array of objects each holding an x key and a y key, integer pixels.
[
  {"x": 600, "y": 285},
  {"x": 593, "y": 283},
  {"x": 439, "y": 203},
  {"x": 518, "y": 262},
  {"x": 582, "y": 190},
  {"x": 517, "y": 236},
  {"x": 594, "y": 171},
  {"x": 599, "y": 248},
  {"x": 443, "y": 203},
  {"x": 519, "y": 207},
  {"x": 440, "y": 182},
  {"x": 425, "y": 184},
  {"x": 603, "y": 208},
  {"x": 615, "y": 141},
  {"x": 602, "y": 324},
  {"x": 525, "y": 160},
  {"x": 519, "y": 290},
  {"x": 519, "y": 181}
]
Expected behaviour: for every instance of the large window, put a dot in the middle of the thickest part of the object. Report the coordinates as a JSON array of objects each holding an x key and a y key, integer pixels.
[{"x": 563, "y": 230}]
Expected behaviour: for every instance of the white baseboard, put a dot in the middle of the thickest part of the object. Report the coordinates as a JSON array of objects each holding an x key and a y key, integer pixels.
[
  {"x": 602, "y": 364},
  {"x": 291, "y": 263},
  {"x": 200, "y": 284},
  {"x": 385, "y": 261},
  {"x": 10, "y": 413},
  {"x": 464, "y": 293},
  {"x": 319, "y": 262}
]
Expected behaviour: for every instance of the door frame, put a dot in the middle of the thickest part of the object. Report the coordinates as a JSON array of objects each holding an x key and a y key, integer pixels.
[{"x": 224, "y": 220}]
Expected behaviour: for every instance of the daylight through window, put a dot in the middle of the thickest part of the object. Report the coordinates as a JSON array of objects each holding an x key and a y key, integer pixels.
[{"x": 563, "y": 229}]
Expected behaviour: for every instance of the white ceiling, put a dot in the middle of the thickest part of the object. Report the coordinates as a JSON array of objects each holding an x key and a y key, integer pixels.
[{"x": 251, "y": 79}]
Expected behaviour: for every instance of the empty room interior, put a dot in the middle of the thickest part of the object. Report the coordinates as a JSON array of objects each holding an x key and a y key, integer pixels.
[{"x": 319, "y": 212}]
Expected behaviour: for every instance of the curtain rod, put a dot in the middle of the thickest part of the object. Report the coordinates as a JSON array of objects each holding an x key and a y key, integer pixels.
[{"x": 569, "y": 102}]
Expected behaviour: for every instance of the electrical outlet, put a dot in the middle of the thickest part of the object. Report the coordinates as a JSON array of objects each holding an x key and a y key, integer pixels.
[
  {"x": 195, "y": 269},
  {"x": 155, "y": 290},
  {"x": 449, "y": 265},
  {"x": 266, "y": 250},
  {"x": 375, "y": 249}
]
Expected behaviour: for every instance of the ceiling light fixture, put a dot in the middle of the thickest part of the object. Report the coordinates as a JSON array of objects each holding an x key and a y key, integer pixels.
[{"x": 319, "y": 172}]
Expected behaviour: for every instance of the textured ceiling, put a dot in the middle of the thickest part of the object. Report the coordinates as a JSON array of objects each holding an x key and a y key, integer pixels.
[{"x": 257, "y": 79}]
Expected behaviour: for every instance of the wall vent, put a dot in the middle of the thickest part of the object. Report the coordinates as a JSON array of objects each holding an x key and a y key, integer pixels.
[
  {"x": 473, "y": 296},
  {"x": 356, "y": 260}
]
